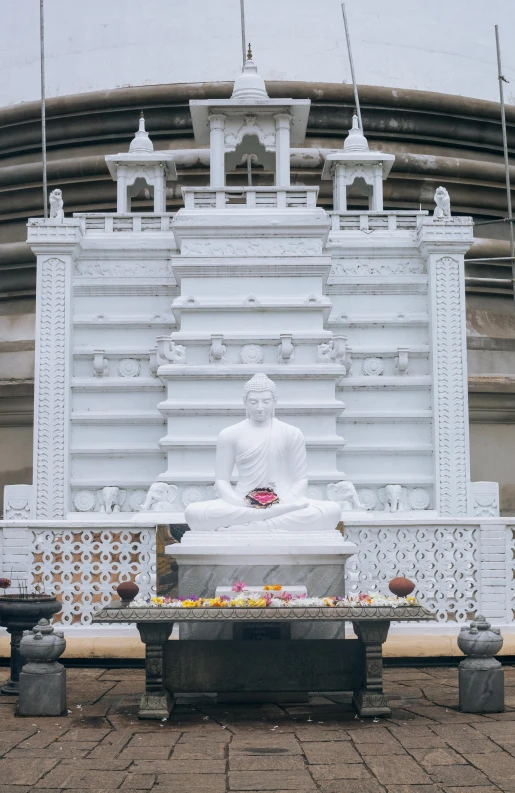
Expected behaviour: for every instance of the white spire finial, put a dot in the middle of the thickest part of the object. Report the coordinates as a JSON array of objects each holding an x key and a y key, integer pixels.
[
  {"x": 141, "y": 142},
  {"x": 249, "y": 86},
  {"x": 355, "y": 140}
]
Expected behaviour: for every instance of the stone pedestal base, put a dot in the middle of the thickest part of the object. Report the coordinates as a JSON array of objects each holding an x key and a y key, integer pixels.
[
  {"x": 317, "y": 562},
  {"x": 43, "y": 693},
  {"x": 481, "y": 686}
]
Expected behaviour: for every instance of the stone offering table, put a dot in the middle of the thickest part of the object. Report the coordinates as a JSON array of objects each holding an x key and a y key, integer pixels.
[{"x": 278, "y": 665}]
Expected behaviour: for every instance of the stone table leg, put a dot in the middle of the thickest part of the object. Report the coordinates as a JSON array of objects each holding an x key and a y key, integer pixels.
[
  {"x": 371, "y": 700},
  {"x": 17, "y": 661},
  {"x": 156, "y": 702}
]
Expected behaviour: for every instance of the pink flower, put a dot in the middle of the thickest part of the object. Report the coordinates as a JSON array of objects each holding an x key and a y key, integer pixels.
[
  {"x": 268, "y": 597},
  {"x": 239, "y": 586},
  {"x": 286, "y": 596}
]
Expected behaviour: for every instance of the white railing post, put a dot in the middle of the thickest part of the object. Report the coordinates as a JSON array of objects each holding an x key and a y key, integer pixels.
[{"x": 495, "y": 541}]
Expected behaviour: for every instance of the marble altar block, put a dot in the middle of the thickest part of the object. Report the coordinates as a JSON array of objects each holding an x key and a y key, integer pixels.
[{"x": 317, "y": 562}]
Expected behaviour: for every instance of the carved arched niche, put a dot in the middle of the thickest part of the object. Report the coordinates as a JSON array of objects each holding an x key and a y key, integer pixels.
[{"x": 250, "y": 146}]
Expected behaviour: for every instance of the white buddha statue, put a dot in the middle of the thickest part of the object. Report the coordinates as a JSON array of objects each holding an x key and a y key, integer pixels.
[{"x": 268, "y": 454}]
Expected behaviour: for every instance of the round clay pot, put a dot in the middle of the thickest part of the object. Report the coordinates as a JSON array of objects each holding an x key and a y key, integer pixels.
[
  {"x": 401, "y": 586},
  {"x": 127, "y": 591}
]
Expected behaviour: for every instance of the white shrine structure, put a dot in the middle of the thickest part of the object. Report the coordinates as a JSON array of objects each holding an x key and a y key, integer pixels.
[{"x": 150, "y": 323}]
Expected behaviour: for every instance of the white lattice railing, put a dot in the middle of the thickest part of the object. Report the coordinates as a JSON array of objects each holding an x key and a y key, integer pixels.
[
  {"x": 130, "y": 223},
  {"x": 443, "y": 560},
  {"x": 83, "y": 566},
  {"x": 376, "y": 221},
  {"x": 460, "y": 567},
  {"x": 252, "y": 197}
]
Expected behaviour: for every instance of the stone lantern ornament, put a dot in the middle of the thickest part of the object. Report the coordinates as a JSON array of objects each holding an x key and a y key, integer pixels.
[
  {"x": 481, "y": 676},
  {"x": 42, "y": 679}
]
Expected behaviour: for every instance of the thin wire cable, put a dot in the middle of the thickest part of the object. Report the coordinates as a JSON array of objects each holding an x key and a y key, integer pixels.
[
  {"x": 356, "y": 97},
  {"x": 43, "y": 102},
  {"x": 502, "y": 80},
  {"x": 243, "y": 38}
]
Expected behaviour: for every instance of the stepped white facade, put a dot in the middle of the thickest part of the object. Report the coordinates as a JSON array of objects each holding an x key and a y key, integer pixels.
[{"x": 149, "y": 324}]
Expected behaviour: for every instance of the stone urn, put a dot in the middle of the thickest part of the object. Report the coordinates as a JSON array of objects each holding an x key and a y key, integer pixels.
[
  {"x": 41, "y": 645},
  {"x": 480, "y": 640},
  {"x": 19, "y": 613}
]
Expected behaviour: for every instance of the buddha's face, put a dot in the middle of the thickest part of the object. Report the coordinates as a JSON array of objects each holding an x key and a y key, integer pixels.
[{"x": 260, "y": 405}]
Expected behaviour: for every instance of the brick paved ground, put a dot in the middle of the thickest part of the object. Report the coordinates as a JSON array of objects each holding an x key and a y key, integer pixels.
[{"x": 426, "y": 746}]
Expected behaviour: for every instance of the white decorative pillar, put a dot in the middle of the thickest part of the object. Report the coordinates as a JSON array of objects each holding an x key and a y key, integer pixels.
[
  {"x": 443, "y": 245},
  {"x": 377, "y": 190},
  {"x": 339, "y": 189},
  {"x": 217, "y": 150},
  {"x": 159, "y": 189},
  {"x": 54, "y": 246},
  {"x": 282, "y": 149},
  {"x": 121, "y": 190}
]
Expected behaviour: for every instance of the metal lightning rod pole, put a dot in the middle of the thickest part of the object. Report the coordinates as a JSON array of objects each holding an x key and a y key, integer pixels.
[
  {"x": 244, "y": 61},
  {"x": 356, "y": 97},
  {"x": 43, "y": 106},
  {"x": 502, "y": 80},
  {"x": 243, "y": 39}
]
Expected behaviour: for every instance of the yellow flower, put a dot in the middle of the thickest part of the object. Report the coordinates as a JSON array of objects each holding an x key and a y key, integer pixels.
[
  {"x": 158, "y": 601},
  {"x": 412, "y": 599},
  {"x": 190, "y": 604},
  {"x": 274, "y": 587},
  {"x": 259, "y": 603}
]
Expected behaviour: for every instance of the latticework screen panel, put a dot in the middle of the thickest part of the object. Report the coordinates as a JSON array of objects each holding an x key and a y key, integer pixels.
[{"x": 83, "y": 566}]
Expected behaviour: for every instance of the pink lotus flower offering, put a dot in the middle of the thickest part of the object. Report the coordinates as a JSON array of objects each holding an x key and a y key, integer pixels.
[{"x": 262, "y": 497}]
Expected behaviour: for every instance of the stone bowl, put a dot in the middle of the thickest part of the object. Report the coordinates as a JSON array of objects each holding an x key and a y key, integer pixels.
[{"x": 19, "y": 612}]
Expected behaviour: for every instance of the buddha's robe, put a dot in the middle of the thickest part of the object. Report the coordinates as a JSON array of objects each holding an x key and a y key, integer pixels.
[{"x": 278, "y": 461}]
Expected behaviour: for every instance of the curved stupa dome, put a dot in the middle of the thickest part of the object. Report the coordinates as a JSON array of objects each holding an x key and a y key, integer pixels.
[
  {"x": 249, "y": 86},
  {"x": 141, "y": 143},
  {"x": 355, "y": 140}
]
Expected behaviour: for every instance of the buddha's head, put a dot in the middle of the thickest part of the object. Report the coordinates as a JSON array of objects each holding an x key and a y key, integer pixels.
[{"x": 260, "y": 396}]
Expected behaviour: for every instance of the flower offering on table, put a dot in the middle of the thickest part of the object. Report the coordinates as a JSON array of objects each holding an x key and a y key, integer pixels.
[{"x": 275, "y": 600}]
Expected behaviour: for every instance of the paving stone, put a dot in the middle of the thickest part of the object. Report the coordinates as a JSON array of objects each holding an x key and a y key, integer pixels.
[
  {"x": 431, "y": 788},
  {"x": 163, "y": 738},
  {"x": 431, "y": 757},
  {"x": 68, "y": 777},
  {"x": 111, "y": 745},
  {"x": 42, "y": 738},
  {"x": 25, "y": 771},
  {"x": 380, "y": 749},
  {"x": 198, "y": 751},
  {"x": 352, "y": 786},
  {"x": 458, "y": 775},
  {"x": 398, "y": 771},
  {"x": 220, "y": 736},
  {"x": 312, "y": 735},
  {"x": 14, "y": 789},
  {"x": 499, "y": 764},
  {"x": 57, "y": 750},
  {"x": 145, "y": 752},
  {"x": 350, "y": 771},
  {"x": 85, "y": 734},
  {"x": 99, "y": 765},
  {"x": 180, "y": 767},
  {"x": 371, "y": 733},
  {"x": 266, "y": 763},
  {"x": 139, "y": 781},
  {"x": 480, "y": 789},
  {"x": 324, "y": 753},
  {"x": 191, "y": 783},
  {"x": 270, "y": 780},
  {"x": 266, "y": 745}
]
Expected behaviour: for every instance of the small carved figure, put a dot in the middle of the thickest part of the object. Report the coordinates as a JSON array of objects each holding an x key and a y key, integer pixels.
[
  {"x": 160, "y": 498},
  {"x": 345, "y": 494},
  {"x": 443, "y": 203},
  {"x": 170, "y": 351},
  {"x": 393, "y": 497},
  {"x": 111, "y": 499},
  {"x": 56, "y": 204}
]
